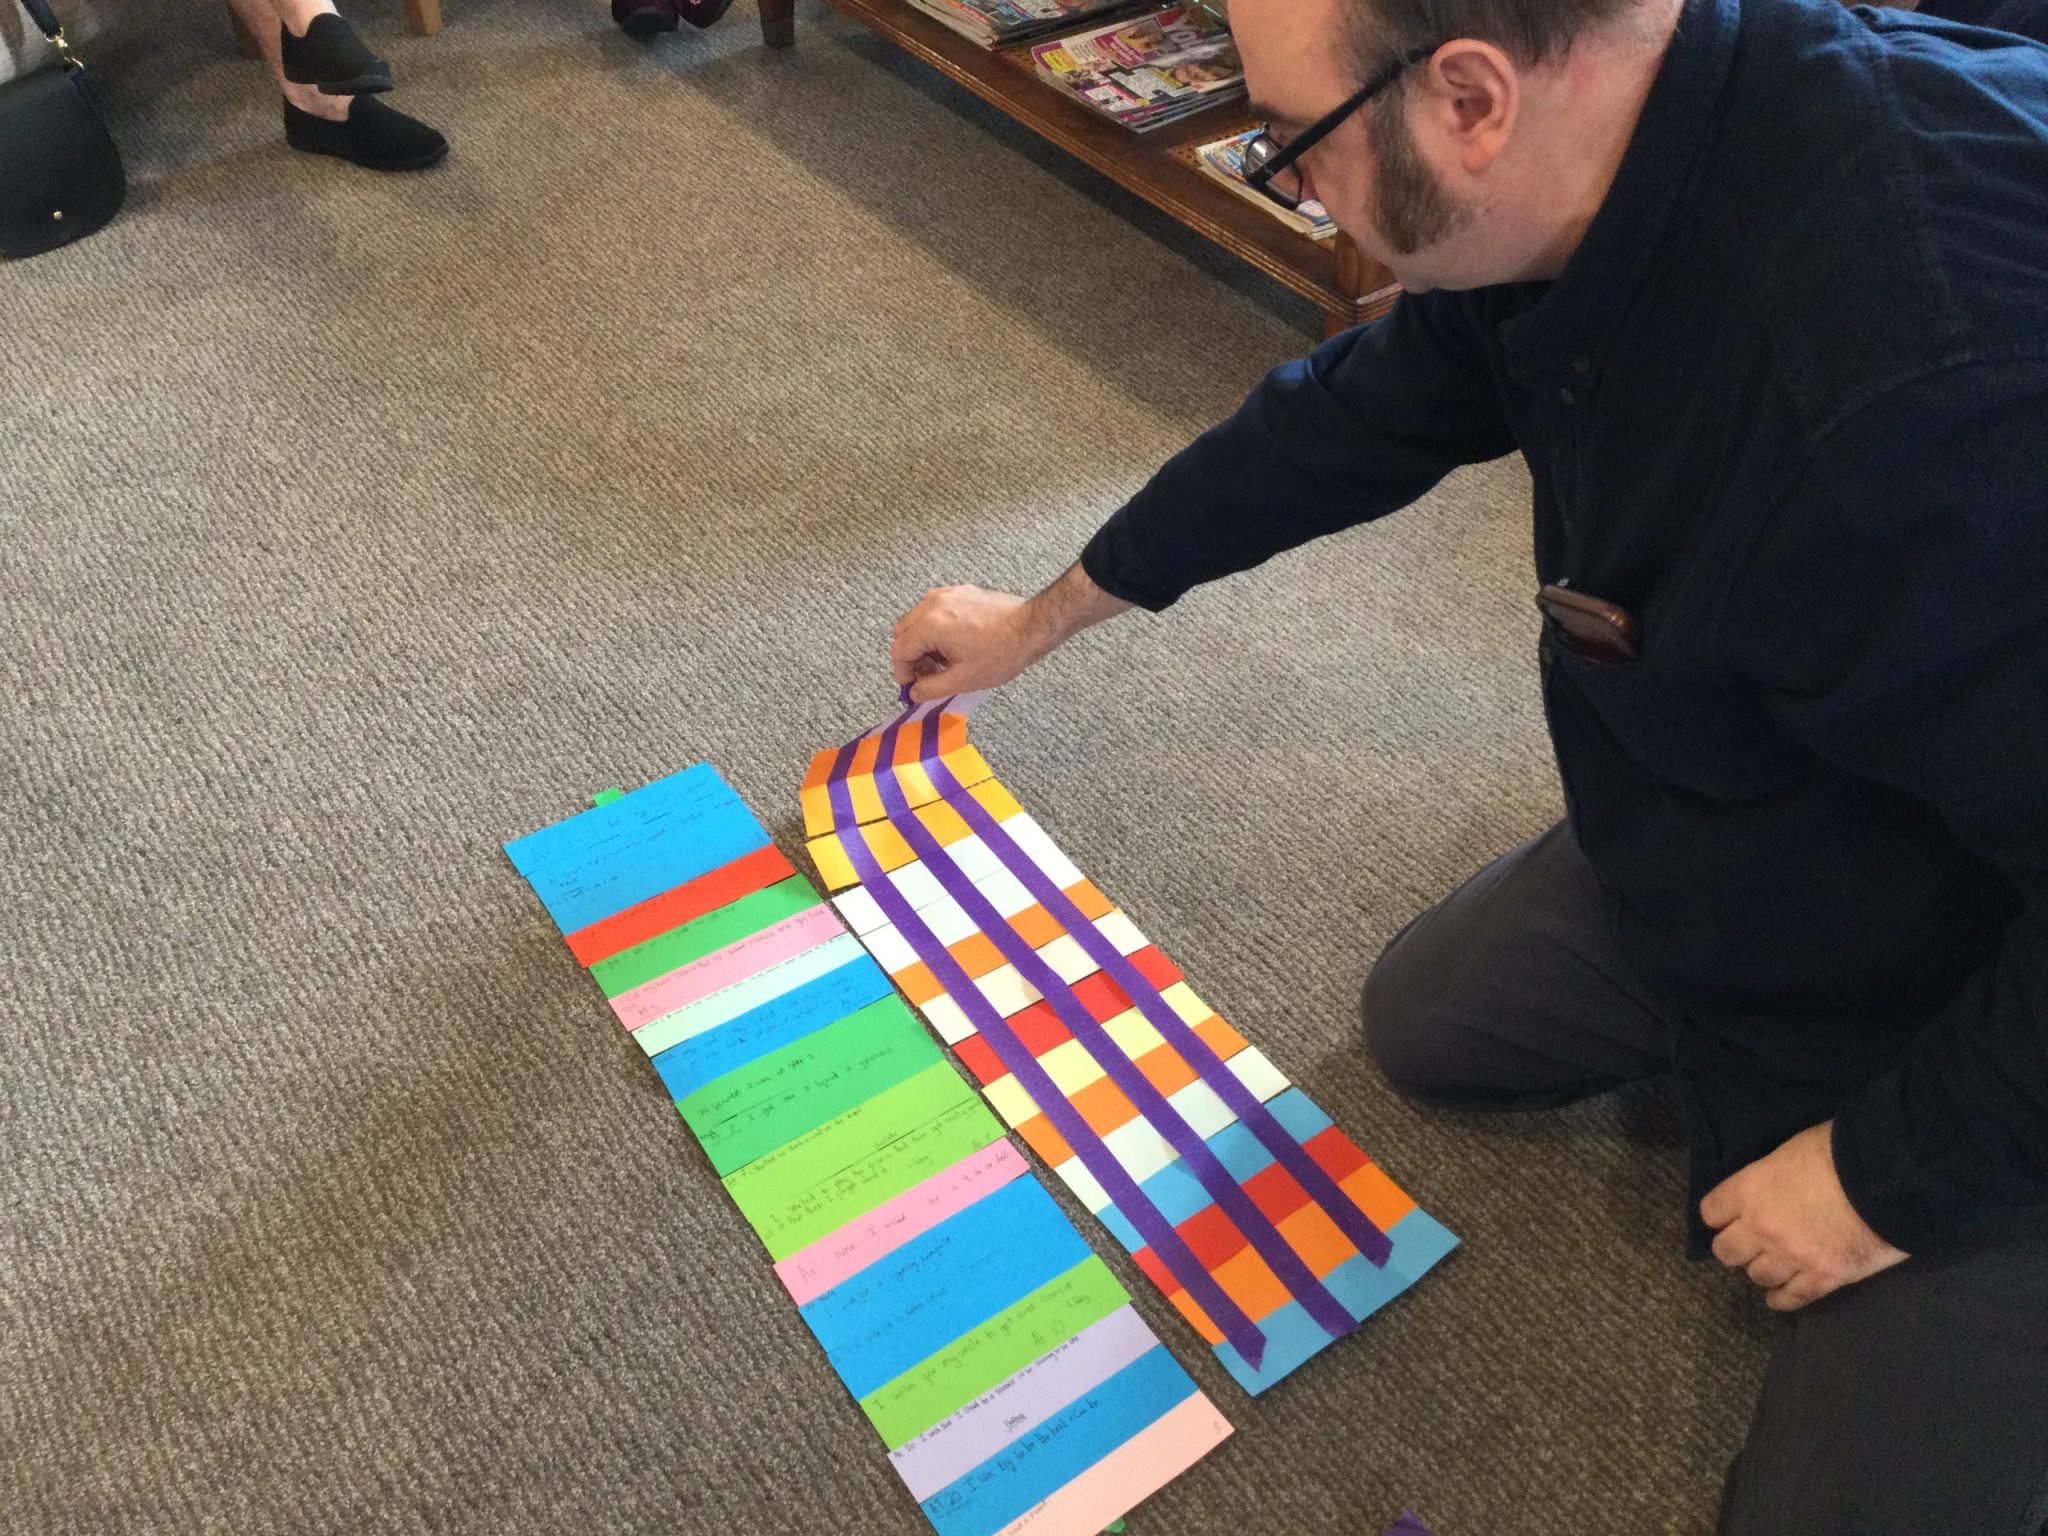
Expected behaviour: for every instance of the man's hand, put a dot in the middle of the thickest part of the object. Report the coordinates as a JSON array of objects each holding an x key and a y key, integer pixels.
[
  {"x": 1785, "y": 1219},
  {"x": 963, "y": 639}
]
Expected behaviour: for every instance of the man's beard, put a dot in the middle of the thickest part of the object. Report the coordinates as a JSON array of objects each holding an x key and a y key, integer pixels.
[{"x": 1410, "y": 206}]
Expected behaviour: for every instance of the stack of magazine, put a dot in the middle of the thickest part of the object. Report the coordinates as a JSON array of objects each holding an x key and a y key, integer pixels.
[
  {"x": 1146, "y": 71},
  {"x": 993, "y": 23},
  {"x": 1225, "y": 161}
]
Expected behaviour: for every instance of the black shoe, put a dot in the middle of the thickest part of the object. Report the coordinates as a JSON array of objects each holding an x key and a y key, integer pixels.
[
  {"x": 374, "y": 136},
  {"x": 332, "y": 57},
  {"x": 701, "y": 13},
  {"x": 644, "y": 18}
]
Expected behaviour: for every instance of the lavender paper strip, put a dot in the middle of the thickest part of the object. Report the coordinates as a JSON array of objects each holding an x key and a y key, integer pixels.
[
  {"x": 1356, "y": 1226},
  {"x": 1158, "y": 1233}
]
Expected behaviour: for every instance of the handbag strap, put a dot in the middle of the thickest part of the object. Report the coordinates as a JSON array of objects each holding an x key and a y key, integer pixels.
[{"x": 40, "y": 13}]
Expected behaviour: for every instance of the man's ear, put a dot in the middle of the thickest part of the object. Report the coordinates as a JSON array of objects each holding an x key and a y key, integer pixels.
[{"x": 1472, "y": 93}]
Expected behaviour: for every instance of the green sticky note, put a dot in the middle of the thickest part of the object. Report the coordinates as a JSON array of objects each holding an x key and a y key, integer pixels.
[
  {"x": 1028, "y": 1330},
  {"x": 1114, "y": 1530},
  {"x": 853, "y": 1163},
  {"x": 682, "y": 946},
  {"x": 770, "y": 1102},
  {"x": 607, "y": 796}
]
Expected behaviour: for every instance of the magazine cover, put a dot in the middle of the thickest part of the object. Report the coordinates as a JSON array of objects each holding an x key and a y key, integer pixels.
[
  {"x": 1147, "y": 70},
  {"x": 1224, "y": 160},
  {"x": 992, "y": 22}
]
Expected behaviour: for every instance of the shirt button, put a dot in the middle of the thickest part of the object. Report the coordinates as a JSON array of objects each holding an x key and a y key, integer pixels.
[
  {"x": 1582, "y": 365},
  {"x": 1565, "y": 396}
]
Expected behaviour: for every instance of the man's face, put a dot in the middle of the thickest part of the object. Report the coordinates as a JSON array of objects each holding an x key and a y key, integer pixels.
[{"x": 1369, "y": 171}]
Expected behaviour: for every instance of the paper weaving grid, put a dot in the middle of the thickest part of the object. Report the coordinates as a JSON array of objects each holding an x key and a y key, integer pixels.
[{"x": 1417, "y": 1241}]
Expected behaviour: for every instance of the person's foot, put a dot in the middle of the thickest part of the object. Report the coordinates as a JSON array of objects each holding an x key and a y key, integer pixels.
[
  {"x": 644, "y": 18},
  {"x": 701, "y": 13},
  {"x": 332, "y": 57},
  {"x": 374, "y": 136}
]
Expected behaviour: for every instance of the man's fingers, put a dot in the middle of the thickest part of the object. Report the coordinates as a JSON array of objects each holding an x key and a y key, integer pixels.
[
  {"x": 1736, "y": 1245},
  {"x": 1770, "y": 1271},
  {"x": 1721, "y": 1205},
  {"x": 906, "y": 644},
  {"x": 1795, "y": 1293}
]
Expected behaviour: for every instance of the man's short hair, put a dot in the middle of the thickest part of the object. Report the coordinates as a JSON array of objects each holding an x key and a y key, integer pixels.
[{"x": 1529, "y": 31}]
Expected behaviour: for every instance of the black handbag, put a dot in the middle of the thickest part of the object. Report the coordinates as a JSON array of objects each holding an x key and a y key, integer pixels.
[{"x": 60, "y": 170}]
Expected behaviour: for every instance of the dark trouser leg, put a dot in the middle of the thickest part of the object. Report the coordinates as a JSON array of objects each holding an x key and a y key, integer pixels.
[
  {"x": 1511, "y": 992},
  {"x": 1913, "y": 1404}
]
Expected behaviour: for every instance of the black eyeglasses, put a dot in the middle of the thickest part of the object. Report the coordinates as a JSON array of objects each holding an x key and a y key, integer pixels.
[{"x": 1272, "y": 167}]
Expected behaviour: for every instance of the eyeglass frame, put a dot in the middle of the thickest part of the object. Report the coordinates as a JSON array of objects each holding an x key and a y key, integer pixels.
[{"x": 1260, "y": 177}]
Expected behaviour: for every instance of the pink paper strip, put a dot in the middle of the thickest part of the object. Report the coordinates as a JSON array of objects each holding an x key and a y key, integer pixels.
[
  {"x": 1128, "y": 1475},
  {"x": 727, "y": 967},
  {"x": 962, "y": 1441},
  {"x": 810, "y": 1272}
]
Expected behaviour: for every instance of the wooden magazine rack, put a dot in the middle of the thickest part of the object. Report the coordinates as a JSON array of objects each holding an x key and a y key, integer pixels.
[{"x": 1160, "y": 166}]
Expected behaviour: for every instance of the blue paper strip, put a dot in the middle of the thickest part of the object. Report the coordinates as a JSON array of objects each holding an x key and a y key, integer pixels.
[
  {"x": 911, "y": 1304},
  {"x": 1292, "y": 1336},
  {"x": 598, "y": 863}
]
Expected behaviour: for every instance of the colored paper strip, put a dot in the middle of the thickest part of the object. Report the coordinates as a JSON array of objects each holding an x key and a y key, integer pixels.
[
  {"x": 920, "y": 1255},
  {"x": 746, "y": 1114},
  {"x": 959, "y": 1443},
  {"x": 870, "y": 1237},
  {"x": 615, "y": 856},
  {"x": 890, "y": 1316},
  {"x": 691, "y": 941},
  {"x": 911, "y": 1404}
]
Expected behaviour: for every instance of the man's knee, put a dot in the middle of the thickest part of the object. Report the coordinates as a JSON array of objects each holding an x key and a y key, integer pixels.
[{"x": 1410, "y": 1029}]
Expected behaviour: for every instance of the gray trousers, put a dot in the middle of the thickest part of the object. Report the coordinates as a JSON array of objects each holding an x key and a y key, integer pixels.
[{"x": 1913, "y": 1404}]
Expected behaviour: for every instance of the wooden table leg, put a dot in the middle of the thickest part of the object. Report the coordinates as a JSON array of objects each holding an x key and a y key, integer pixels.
[
  {"x": 426, "y": 16},
  {"x": 778, "y": 23}
]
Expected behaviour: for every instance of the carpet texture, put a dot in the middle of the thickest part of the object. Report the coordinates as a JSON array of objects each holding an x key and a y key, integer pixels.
[{"x": 349, "y": 526}]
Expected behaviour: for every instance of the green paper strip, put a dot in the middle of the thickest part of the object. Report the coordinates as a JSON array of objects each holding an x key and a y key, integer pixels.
[
  {"x": 605, "y": 797},
  {"x": 679, "y": 947},
  {"x": 1028, "y": 1330},
  {"x": 789, "y": 1215},
  {"x": 788, "y": 1174},
  {"x": 770, "y": 1102}
]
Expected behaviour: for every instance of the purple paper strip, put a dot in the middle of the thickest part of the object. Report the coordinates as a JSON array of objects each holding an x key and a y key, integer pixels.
[
  {"x": 962, "y": 1441},
  {"x": 1116, "y": 1181},
  {"x": 1359, "y": 1228},
  {"x": 1220, "y": 1184}
]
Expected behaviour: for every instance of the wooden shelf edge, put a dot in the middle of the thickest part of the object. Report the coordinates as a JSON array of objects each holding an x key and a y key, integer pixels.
[{"x": 1158, "y": 168}]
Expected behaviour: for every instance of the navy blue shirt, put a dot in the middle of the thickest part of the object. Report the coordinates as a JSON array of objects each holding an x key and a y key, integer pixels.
[
  {"x": 1788, "y": 405},
  {"x": 2029, "y": 18}
]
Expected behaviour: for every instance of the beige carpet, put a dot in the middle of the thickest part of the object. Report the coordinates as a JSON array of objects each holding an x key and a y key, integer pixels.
[{"x": 349, "y": 526}]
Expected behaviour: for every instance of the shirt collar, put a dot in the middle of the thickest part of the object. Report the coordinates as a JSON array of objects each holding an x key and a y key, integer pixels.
[{"x": 1580, "y": 310}]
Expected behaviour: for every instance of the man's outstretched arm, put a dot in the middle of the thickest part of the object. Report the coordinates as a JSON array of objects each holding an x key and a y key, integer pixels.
[
  {"x": 1363, "y": 425},
  {"x": 962, "y": 639}
]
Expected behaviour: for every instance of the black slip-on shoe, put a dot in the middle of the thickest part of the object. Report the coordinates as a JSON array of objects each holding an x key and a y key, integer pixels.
[
  {"x": 701, "y": 13},
  {"x": 374, "y": 136},
  {"x": 644, "y": 18},
  {"x": 332, "y": 57}
]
